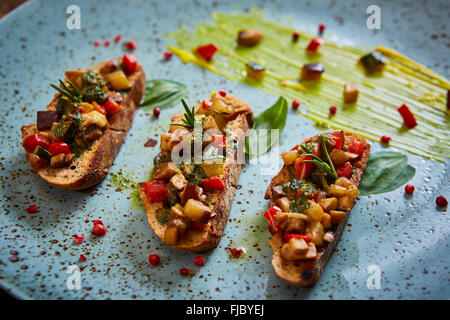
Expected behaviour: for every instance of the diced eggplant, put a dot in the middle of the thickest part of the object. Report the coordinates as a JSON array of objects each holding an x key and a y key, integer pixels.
[
  {"x": 255, "y": 71},
  {"x": 283, "y": 203},
  {"x": 191, "y": 191},
  {"x": 249, "y": 38},
  {"x": 57, "y": 161},
  {"x": 45, "y": 119},
  {"x": 177, "y": 210},
  {"x": 178, "y": 181},
  {"x": 373, "y": 61},
  {"x": 197, "y": 211},
  {"x": 312, "y": 71},
  {"x": 312, "y": 251},
  {"x": 340, "y": 157},
  {"x": 92, "y": 133},
  {"x": 295, "y": 225},
  {"x": 277, "y": 191},
  {"x": 165, "y": 171},
  {"x": 337, "y": 216},
  {"x": 350, "y": 93}
]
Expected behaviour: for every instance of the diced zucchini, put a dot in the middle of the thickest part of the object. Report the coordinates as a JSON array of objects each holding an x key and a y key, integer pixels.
[
  {"x": 373, "y": 61},
  {"x": 326, "y": 220},
  {"x": 255, "y": 71},
  {"x": 42, "y": 153},
  {"x": 283, "y": 203}
]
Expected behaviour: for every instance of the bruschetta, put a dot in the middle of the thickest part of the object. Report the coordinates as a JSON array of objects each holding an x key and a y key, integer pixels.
[
  {"x": 311, "y": 198},
  {"x": 74, "y": 142},
  {"x": 188, "y": 203}
]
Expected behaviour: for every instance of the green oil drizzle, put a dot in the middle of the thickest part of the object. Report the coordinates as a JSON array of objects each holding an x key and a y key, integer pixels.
[
  {"x": 374, "y": 114},
  {"x": 125, "y": 181}
]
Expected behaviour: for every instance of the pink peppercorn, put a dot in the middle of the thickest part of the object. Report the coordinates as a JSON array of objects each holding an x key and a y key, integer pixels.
[
  {"x": 409, "y": 188},
  {"x": 295, "y": 104},
  {"x": 154, "y": 259}
]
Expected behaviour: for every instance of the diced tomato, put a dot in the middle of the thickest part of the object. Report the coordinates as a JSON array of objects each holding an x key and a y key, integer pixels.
[
  {"x": 31, "y": 142},
  {"x": 408, "y": 118},
  {"x": 130, "y": 62},
  {"x": 302, "y": 168},
  {"x": 207, "y": 51},
  {"x": 345, "y": 170},
  {"x": 110, "y": 106},
  {"x": 357, "y": 147},
  {"x": 270, "y": 216},
  {"x": 59, "y": 147},
  {"x": 290, "y": 236},
  {"x": 337, "y": 141},
  {"x": 206, "y": 104},
  {"x": 214, "y": 183},
  {"x": 156, "y": 191},
  {"x": 314, "y": 44}
]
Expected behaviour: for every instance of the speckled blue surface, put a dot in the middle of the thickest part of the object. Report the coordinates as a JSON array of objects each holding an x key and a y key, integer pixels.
[{"x": 407, "y": 237}]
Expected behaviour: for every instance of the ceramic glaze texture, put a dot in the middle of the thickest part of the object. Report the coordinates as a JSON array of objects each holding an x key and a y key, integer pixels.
[{"x": 406, "y": 237}]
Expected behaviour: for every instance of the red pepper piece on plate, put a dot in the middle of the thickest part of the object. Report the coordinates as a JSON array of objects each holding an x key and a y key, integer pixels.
[
  {"x": 117, "y": 38},
  {"x": 385, "y": 139},
  {"x": 130, "y": 62},
  {"x": 83, "y": 257},
  {"x": 98, "y": 229},
  {"x": 214, "y": 183},
  {"x": 314, "y": 44},
  {"x": 408, "y": 118},
  {"x": 302, "y": 168},
  {"x": 207, "y": 51},
  {"x": 78, "y": 239},
  {"x": 337, "y": 141}
]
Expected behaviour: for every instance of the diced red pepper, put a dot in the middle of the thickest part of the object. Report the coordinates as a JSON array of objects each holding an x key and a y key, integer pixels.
[
  {"x": 83, "y": 110},
  {"x": 31, "y": 142},
  {"x": 214, "y": 183},
  {"x": 302, "y": 168},
  {"x": 156, "y": 191},
  {"x": 357, "y": 147},
  {"x": 110, "y": 106},
  {"x": 408, "y": 118},
  {"x": 290, "y": 236},
  {"x": 316, "y": 196},
  {"x": 59, "y": 147},
  {"x": 207, "y": 51},
  {"x": 130, "y": 62},
  {"x": 337, "y": 141},
  {"x": 345, "y": 170},
  {"x": 270, "y": 216},
  {"x": 99, "y": 108},
  {"x": 206, "y": 104},
  {"x": 167, "y": 55},
  {"x": 131, "y": 45},
  {"x": 78, "y": 239},
  {"x": 223, "y": 93},
  {"x": 83, "y": 257},
  {"x": 314, "y": 44},
  {"x": 32, "y": 209}
]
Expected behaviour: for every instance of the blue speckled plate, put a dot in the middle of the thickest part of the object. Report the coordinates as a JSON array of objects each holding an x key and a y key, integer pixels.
[{"x": 406, "y": 237}]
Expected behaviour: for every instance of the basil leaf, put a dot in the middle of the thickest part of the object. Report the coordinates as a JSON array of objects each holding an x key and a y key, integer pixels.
[
  {"x": 163, "y": 94},
  {"x": 272, "y": 118},
  {"x": 385, "y": 171}
]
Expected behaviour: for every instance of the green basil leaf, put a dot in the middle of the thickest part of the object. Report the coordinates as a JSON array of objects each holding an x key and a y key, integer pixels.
[
  {"x": 163, "y": 94},
  {"x": 272, "y": 118},
  {"x": 385, "y": 171}
]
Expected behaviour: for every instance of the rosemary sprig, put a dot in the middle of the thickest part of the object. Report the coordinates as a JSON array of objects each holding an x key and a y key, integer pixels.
[
  {"x": 73, "y": 94},
  {"x": 328, "y": 168},
  {"x": 189, "y": 117}
]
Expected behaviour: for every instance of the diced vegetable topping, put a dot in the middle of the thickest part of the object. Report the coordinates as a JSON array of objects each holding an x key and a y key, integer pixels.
[
  {"x": 295, "y": 104},
  {"x": 59, "y": 147},
  {"x": 302, "y": 168},
  {"x": 249, "y": 38},
  {"x": 314, "y": 44},
  {"x": 373, "y": 62},
  {"x": 288, "y": 237},
  {"x": 130, "y": 62},
  {"x": 409, "y": 188},
  {"x": 338, "y": 141},
  {"x": 255, "y": 71},
  {"x": 333, "y": 110},
  {"x": 441, "y": 201},
  {"x": 408, "y": 118},
  {"x": 295, "y": 36},
  {"x": 312, "y": 71},
  {"x": 212, "y": 184},
  {"x": 356, "y": 147},
  {"x": 385, "y": 139},
  {"x": 45, "y": 119},
  {"x": 156, "y": 191},
  {"x": 270, "y": 216},
  {"x": 111, "y": 106},
  {"x": 206, "y": 51},
  {"x": 345, "y": 170},
  {"x": 350, "y": 93},
  {"x": 31, "y": 142}
]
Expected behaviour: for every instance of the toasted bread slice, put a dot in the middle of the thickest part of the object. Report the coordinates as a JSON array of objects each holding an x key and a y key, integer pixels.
[
  {"x": 93, "y": 165},
  {"x": 221, "y": 200},
  {"x": 305, "y": 273}
]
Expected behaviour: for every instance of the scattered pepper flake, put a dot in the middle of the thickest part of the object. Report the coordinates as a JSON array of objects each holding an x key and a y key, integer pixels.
[
  {"x": 409, "y": 188},
  {"x": 235, "y": 252},
  {"x": 333, "y": 110},
  {"x": 199, "y": 261},
  {"x": 78, "y": 239},
  {"x": 223, "y": 93},
  {"x": 150, "y": 143},
  {"x": 98, "y": 229},
  {"x": 97, "y": 43},
  {"x": 83, "y": 257},
  {"x": 168, "y": 55},
  {"x": 154, "y": 259},
  {"x": 32, "y": 209},
  {"x": 295, "y": 36},
  {"x": 385, "y": 139},
  {"x": 184, "y": 271},
  {"x": 106, "y": 43},
  {"x": 131, "y": 45},
  {"x": 441, "y": 201},
  {"x": 156, "y": 112},
  {"x": 295, "y": 104},
  {"x": 117, "y": 38}
]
